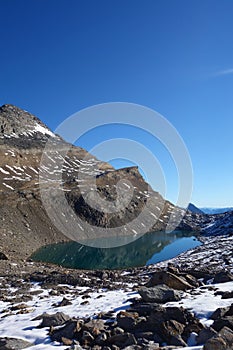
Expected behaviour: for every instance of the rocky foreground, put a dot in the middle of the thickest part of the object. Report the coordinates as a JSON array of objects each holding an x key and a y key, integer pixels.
[{"x": 183, "y": 303}]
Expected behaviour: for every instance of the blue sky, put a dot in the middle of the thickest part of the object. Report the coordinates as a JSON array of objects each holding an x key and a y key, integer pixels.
[{"x": 176, "y": 57}]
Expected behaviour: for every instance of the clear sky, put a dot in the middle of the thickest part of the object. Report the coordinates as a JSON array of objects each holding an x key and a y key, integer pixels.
[{"x": 59, "y": 56}]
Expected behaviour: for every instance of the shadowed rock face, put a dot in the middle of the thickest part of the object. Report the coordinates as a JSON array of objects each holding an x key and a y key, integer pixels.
[{"x": 25, "y": 225}]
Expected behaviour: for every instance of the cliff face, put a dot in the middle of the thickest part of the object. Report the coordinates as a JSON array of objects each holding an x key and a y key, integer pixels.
[{"x": 32, "y": 177}]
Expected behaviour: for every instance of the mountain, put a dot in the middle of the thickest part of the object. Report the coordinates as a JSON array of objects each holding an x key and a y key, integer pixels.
[
  {"x": 194, "y": 209},
  {"x": 213, "y": 211},
  {"x": 39, "y": 170}
]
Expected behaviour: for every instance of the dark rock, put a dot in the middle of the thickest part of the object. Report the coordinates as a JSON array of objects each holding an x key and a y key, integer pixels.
[
  {"x": 101, "y": 338},
  {"x": 222, "y": 277},
  {"x": 68, "y": 331},
  {"x": 56, "y": 319},
  {"x": 219, "y": 313},
  {"x": 229, "y": 311},
  {"x": 227, "y": 295},
  {"x": 171, "y": 332},
  {"x": 64, "y": 302},
  {"x": 192, "y": 280},
  {"x": 144, "y": 335},
  {"x": 87, "y": 338},
  {"x": 3, "y": 256},
  {"x": 159, "y": 294},
  {"x": 127, "y": 320},
  {"x": 122, "y": 340},
  {"x": 205, "y": 334},
  {"x": 13, "y": 344},
  {"x": 145, "y": 309},
  {"x": 177, "y": 341},
  {"x": 226, "y": 321}
]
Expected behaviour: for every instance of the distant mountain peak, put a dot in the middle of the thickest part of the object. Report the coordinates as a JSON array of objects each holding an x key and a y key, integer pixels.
[{"x": 194, "y": 209}]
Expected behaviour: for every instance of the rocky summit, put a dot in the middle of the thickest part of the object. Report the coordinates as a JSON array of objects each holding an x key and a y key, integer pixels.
[{"x": 68, "y": 172}]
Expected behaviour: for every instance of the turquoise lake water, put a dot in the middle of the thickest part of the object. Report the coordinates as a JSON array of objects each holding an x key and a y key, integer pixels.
[{"x": 151, "y": 248}]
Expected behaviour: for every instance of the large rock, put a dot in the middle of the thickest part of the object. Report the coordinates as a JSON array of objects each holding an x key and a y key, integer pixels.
[
  {"x": 56, "y": 319},
  {"x": 68, "y": 331},
  {"x": 227, "y": 335},
  {"x": 171, "y": 280},
  {"x": 222, "y": 277},
  {"x": 159, "y": 294},
  {"x": 205, "y": 334},
  {"x": 13, "y": 344},
  {"x": 127, "y": 320},
  {"x": 94, "y": 326},
  {"x": 122, "y": 340},
  {"x": 219, "y": 313},
  {"x": 226, "y": 321},
  {"x": 215, "y": 344}
]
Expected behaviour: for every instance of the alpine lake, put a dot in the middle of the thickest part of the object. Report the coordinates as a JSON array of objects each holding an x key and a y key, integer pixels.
[{"x": 149, "y": 249}]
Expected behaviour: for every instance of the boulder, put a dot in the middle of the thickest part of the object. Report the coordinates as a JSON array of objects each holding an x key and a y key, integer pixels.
[
  {"x": 68, "y": 331},
  {"x": 215, "y": 344},
  {"x": 219, "y": 313},
  {"x": 159, "y": 294},
  {"x": 94, "y": 326},
  {"x": 171, "y": 328},
  {"x": 229, "y": 311},
  {"x": 169, "y": 279},
  {"x": 226, "y": 321},
  {"x": 122, "y": 340},
  {"x": 56, "y": 319},
  {"x": 227, "y": 295},
  {"x": 127, "y": 320},
  {"x": 205, "y": 334},
  {"x": 222, "y": 277},
  {"x": 227, "y": 335},
  {"x": 13, "y": 344}
]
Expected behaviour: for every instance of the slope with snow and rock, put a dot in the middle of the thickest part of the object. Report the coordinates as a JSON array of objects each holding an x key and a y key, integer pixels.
[{"x": 48, "y": 308}]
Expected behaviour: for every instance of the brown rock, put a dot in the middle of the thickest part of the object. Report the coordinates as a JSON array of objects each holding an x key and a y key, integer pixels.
[
  {"x": 215, "y": 344},
  {"x": 227, "y": 335},
  {"x": 171, "y": 280}
]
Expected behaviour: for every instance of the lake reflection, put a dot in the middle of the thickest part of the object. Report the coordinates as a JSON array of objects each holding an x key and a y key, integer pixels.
[{"x": 150, "y": 248}]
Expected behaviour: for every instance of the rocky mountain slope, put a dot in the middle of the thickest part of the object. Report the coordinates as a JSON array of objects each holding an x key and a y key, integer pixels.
[{"x": 25, "y": 225}]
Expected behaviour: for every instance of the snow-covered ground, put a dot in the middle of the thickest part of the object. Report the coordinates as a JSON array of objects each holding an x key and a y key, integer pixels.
[
  {"x": 21, "y": 325},
  {"x": 203, "y": 302}
]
